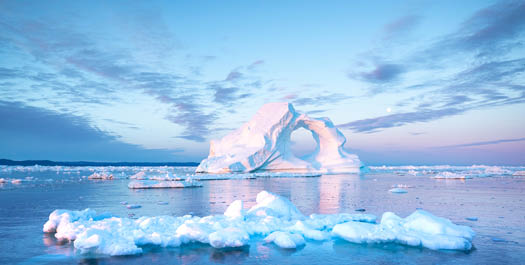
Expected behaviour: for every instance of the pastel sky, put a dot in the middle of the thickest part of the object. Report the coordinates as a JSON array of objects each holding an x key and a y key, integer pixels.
[{"x": 407, "y": 82}]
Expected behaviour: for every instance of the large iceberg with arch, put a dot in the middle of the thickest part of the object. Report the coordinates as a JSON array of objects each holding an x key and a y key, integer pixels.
[{"x": 263, "y": 144}]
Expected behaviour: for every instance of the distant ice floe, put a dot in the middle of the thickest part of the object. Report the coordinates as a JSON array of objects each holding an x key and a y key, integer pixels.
[
  {"x": 273, "y": 218},
  {"x": 398, "y": 190},
  {"x": 154, "y": 184},
  {"x": 451, "y": 172},
  {"x": 519, "y": 173},
  {"x": 97, "y": 175},
  {"x": 451, "y": 175}
]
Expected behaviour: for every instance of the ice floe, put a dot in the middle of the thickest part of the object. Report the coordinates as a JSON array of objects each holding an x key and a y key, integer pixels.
[
  {"x": 451, "y": 175},
  {"x": 273, "y": 218},
  {"x": 153, "y": 184},
  {"x": 462, "y": 172},
  {"x": 421, "y": 228},
  {"x": 97, "y": 175},
  {"x": 398, "y": 190}
]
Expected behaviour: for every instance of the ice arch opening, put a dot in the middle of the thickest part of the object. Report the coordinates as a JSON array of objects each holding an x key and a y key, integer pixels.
[
  {"x": 263, "y": 144},
  {"x": 302, "y": 143}
]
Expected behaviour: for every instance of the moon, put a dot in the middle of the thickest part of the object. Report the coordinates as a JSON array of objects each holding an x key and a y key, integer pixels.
[{"x": 388, "y": 109}]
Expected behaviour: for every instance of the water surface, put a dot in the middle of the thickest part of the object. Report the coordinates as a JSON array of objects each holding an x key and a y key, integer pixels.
[{"x": 497, "y": 202}]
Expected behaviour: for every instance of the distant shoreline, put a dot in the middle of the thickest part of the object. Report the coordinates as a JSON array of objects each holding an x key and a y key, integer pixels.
[{"x": 8, "y": 162}]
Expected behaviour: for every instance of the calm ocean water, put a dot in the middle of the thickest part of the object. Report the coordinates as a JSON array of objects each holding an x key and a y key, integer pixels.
[{"x": 498, "y": 202}]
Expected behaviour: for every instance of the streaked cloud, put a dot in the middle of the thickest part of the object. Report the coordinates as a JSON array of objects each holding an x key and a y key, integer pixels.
[
  {"x": 36, "y": 133},
  {"x": 484, "y": 143}
]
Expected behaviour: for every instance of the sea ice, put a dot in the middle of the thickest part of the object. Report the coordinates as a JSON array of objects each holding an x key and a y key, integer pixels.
[
  {"x": 421, "y": 228},
  {"x": 153, "y": 184},
  {"x": 273, "y": 217},
  {"x": 398, "y": 190},
  {"x": 451, "y": 175},
  {"x": 16, "y": 181},
  {"x": 100, "y": 176},
  {"x": 263, "y": 144}
]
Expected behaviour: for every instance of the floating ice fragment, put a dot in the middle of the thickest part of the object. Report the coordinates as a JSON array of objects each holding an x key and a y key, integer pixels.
[
  {"x": 418, "y": 229},
  {"x": 402, "y": 186},
  {"x": 398, "y": 190},
  {"x": 153, "y": 184},
  {"x": 100, "y": 176},
  {"x": 519, "y": 173},
  {"x": 451, "y": 175}
]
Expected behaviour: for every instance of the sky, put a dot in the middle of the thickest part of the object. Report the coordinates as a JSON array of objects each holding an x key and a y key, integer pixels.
[{"x": 407, "y": 82}]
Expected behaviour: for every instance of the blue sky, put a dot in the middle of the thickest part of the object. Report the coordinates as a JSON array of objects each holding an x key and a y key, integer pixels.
[{"x": 407, "y": 82}]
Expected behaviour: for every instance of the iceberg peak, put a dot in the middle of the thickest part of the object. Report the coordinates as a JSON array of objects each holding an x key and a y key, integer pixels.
[{"x": 263, "y": 144}]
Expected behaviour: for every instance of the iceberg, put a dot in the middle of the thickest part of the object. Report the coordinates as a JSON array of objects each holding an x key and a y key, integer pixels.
[
  {"x": 263, "y": 144},
  {"x": 273, "y": 219}
]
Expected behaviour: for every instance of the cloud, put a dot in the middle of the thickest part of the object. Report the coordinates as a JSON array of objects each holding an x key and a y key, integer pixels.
[
  {"x": 255, "y": 64},
  {"x": 398, "y": 119},
  {"x": 491, "y": 26},
  {"x": 319, "y": 100},
  {"x": 187, "y": 113},
  {"x": 233, "y": 75},
  {"x": 35, "y": 133},
  {"x": 484, "y": 143},
  {"x": 490, "y": 32},
  {"x": 383, "y": 73},
  {"x": 9, "y": 73},
  {"x": 490, "y": 76},
  {"x": 224, "y": 95},
  {"x": 401, "y": 26}
]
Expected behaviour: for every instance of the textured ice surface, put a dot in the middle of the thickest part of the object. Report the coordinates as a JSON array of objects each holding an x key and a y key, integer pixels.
[
  {"x": 273, "y": 218},
  {"x": 263, "y": 144},
  {"x": 421, "y": 228}
]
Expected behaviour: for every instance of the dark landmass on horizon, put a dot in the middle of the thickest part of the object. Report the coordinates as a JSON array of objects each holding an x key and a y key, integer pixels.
[{"x": 8, "y": 162}]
